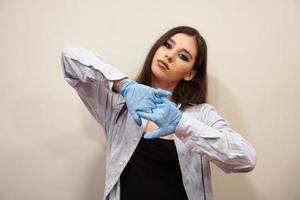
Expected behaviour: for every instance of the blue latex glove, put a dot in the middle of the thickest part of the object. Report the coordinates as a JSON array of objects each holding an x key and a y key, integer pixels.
[
  {"x": 139, "y": 97},
  {"x": 166, "y": 115}
]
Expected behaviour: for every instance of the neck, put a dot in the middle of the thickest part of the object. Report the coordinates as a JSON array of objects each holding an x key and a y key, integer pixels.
[{"x": 164, "y": 85}]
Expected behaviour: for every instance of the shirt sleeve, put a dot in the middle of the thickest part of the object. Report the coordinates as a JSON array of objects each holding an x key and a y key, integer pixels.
[
  {"x": 209, "y": 134},
  {"x": 92, "y": 77}
]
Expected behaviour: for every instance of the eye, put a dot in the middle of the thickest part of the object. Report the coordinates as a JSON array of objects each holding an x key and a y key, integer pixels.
[
  {"x": 184, "y": 57},
  {"x": 169, "y": 46},
  {"x": 166, "y": 44}
]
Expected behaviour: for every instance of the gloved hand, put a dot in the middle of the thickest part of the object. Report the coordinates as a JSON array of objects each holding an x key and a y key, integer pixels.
[
  {"x": 139, "y": 97},
  {"x": 166, "y": 115}
]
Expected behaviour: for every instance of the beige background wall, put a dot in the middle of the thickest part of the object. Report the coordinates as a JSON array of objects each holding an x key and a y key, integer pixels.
[{"x": 52, "y": 148}]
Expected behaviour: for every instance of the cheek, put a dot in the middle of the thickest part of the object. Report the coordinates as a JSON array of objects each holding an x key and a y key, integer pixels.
[
  {"x": 176, "y": 74},
  {"x": 155, "y": 57},
  {"x": 182, "y": 69},
  {"x": 160, "y": 52}
]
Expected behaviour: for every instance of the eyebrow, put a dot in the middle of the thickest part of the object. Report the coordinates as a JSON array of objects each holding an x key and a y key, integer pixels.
[{"x": 183, "y": 48}]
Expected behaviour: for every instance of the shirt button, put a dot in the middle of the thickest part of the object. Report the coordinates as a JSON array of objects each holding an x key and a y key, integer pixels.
[
  {"x": 121, "y": 163},
  {"x": 135, "y": 139},
  {"x": 108, "y": 186}
]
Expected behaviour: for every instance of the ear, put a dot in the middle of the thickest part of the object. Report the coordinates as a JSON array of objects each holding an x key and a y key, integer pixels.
[{"x": 190, "y": 75}]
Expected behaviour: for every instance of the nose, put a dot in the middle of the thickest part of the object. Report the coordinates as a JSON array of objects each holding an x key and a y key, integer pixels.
[{"x": 168, "y": 56}]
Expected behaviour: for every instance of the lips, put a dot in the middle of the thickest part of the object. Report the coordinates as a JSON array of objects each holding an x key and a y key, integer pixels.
[{"x": 164, "y": 64}]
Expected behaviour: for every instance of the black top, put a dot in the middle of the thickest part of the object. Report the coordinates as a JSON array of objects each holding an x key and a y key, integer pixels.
[{"x": 153, "y": 172}]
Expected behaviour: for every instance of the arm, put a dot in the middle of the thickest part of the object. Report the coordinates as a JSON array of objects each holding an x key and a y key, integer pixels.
[
  {"x": 207, "y": 133},
  {"x": 92, "y": 77}
]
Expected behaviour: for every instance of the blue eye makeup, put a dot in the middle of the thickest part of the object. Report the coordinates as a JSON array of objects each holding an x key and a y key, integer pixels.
[
  {"x": 169, "y": 46},
  {"x": 166, "y": 44},
  {"x": 184, "y": 57}
]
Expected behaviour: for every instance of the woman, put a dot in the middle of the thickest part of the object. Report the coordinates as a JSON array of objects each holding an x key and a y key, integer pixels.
[{"x": 161, "y": 134}]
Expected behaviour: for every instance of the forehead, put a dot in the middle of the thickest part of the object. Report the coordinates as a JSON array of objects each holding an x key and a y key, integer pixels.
[{"x": 185, "y": 41}]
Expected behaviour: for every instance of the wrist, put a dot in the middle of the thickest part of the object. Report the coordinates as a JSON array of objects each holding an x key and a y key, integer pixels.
[
  {"x": 117, "y": 83},
  {"x": 124, "y": 85}
]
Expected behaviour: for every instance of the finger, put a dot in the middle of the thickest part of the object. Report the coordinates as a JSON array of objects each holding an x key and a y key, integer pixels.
[
  {"x": 149, "y": 116},
  {"x": 146, "y": 109},
  {"x": 160, "y": 105},
  {"x": 160, "y": 132},
  {"x": 154, "y": 134},
  {"x": 167, "y": 101},
  {"x": 137, "y": 119},
  {"x": 174, "y": 104},
  {"x": 162, "y": 93},
  {"x": 157, "y": 98}
]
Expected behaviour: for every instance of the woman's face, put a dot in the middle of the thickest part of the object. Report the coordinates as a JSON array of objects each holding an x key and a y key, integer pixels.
[{"x": 178, "y": 53}]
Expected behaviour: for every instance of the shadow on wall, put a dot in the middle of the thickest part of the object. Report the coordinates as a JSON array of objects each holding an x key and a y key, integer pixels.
[
  {"x": 95, "y": 187},
  {"x": 235, "y": 186},
  {"x": 232, "y": 185}
]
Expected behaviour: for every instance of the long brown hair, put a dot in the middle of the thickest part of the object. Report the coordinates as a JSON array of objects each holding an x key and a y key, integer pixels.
[{"x": 186, "y": 92}]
